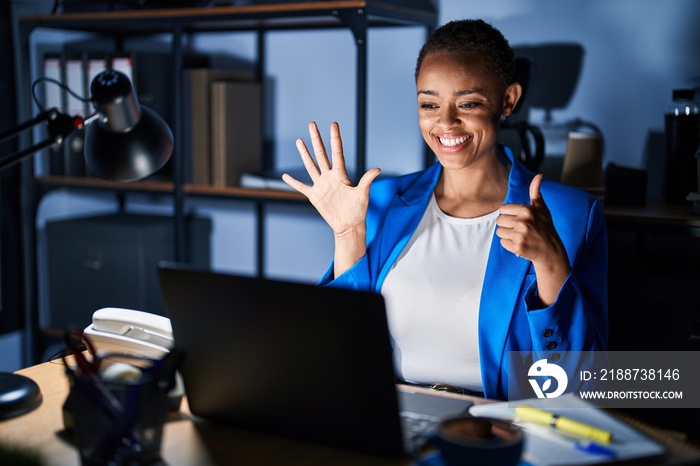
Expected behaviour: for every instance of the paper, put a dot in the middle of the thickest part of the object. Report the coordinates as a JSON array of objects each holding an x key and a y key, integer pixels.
[
  {"x": 273, "y": 179},
  {"x": 542, "y": 449}
]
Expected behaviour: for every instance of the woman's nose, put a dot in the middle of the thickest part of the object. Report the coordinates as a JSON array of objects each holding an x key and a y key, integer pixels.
[{"x": 448, "y": 117}]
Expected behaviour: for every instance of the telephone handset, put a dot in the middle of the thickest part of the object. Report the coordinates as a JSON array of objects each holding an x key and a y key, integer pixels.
[
  {"x": 127, "y": 331},
  {"x": 130, "y": 331}
]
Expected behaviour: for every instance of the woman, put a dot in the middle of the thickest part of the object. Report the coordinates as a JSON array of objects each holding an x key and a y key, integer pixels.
[{"x": 475, "y": 256}]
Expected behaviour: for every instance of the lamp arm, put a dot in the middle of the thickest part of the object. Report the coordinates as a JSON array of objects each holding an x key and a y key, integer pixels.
[{"x": 59, "y": 124}]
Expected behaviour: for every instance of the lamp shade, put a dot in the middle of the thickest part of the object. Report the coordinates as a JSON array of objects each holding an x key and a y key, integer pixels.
[{"x": 128, "y": 141}]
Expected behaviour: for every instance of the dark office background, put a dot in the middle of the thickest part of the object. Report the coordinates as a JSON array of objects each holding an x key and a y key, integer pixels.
[
  {"x": 10, "y": 259},
  {"x": 636, "y": 52}
]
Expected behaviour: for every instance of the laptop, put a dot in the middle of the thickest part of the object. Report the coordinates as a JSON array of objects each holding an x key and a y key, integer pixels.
[{"x": 296, "y": 360}]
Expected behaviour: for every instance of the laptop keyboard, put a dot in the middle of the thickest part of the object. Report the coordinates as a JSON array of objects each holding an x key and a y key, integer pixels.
[{"x": 414, "y": 424}]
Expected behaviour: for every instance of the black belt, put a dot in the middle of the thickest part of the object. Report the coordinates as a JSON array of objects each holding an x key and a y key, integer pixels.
[{"x": 444, "y": 387}]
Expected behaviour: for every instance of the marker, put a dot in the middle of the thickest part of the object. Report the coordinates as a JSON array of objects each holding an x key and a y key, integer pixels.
[
  {"x": 585, "y": 446},
  {"x": 538, "y": 416}
]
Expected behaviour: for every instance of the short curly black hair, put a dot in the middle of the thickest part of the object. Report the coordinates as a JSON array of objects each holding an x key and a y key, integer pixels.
[{"x": 477, "y": 37}]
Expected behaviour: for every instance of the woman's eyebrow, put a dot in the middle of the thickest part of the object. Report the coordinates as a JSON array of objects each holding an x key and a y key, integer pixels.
[
  {"x": 470, "y": 91},
  {"x": 427, "y": 92},
  {"x": 458, "y": 93}
]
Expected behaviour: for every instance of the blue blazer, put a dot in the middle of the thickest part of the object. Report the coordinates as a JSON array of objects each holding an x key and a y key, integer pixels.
[{"x": 510, "y": 315}]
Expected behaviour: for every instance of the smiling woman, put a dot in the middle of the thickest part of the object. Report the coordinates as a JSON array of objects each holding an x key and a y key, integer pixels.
[{"x": 475, "y": 256}]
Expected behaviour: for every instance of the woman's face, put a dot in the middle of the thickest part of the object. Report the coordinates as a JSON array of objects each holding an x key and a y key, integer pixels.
[{"x": 459, "y": 108}]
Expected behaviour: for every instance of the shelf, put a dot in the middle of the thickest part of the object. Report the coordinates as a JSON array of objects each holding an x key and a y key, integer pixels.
[
  {"x": 82, "y": 182},
  {"x": 318, "y": 14}
]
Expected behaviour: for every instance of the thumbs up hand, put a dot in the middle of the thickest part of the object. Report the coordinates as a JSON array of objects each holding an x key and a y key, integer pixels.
[{"x": 528, "y": 232}]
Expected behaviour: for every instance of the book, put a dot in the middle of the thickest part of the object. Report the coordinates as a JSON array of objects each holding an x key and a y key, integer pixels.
[
  {"x": 546, "y": 447},
  {"x": 197, "y": 113},
  {"x": 236, "y": 131}
]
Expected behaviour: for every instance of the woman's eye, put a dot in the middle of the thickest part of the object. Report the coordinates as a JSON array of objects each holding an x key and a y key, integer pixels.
[
  {"x": 469, "y": 105},
  {"x": 427, "y": 106}
]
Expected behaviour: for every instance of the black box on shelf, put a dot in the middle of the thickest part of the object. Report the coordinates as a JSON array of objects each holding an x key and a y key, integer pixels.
[
  {"x": 625, "y": 185},
  {"x": 111, "y": 260}
]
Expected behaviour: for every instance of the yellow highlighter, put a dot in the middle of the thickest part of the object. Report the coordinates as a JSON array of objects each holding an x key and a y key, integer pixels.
[{"x": 538, "y": 416}]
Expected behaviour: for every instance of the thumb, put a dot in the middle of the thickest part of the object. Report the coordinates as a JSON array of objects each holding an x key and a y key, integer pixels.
[
  {"x": 367, "y": 178},
  {"x": 535, "y": 194}
]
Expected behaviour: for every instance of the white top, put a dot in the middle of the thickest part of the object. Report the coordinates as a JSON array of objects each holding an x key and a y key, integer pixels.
[{"x": 432, "y": 295}]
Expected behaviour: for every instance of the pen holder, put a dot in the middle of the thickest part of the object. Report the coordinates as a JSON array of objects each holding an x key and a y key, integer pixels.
[
  {"x": 463, "y": 440},
  {"x": 116, "y": 414}
]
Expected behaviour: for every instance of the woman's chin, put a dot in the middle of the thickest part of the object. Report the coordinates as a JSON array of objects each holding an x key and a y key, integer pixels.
[{"x": 454, "y": 161}]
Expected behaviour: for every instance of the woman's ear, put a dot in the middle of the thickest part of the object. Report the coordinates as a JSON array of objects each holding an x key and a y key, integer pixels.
[{"x": 511, "y": 97}]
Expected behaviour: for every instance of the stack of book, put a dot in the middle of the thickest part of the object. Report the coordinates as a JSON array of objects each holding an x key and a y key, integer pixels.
[{"x": 223, "y": 127}]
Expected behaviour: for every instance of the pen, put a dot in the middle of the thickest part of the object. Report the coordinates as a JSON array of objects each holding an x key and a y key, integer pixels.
[
  {"x": 564, "y": 424},
  {"x": 594, "y": 449}
]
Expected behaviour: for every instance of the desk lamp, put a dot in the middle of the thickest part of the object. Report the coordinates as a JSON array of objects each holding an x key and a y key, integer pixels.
[{"x": 124, "y": 141}]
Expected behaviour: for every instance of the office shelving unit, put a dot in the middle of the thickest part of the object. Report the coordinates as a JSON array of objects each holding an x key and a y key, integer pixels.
[{"x": 357, "y": 16}]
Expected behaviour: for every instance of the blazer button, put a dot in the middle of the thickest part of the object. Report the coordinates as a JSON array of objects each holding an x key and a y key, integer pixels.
[
  {"x": 551, "y": 345},
  {"x": 548, "y": 333},
  {"x": 554, "y": 357}
]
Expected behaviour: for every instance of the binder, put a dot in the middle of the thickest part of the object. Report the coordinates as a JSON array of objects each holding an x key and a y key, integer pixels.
[
  {"x": 75, "y": 70},
  {"x": 53, "y": 98},
  {"x": 95, "y": 66},
  {"x": 124, "y": 65},
  {"x": 69, "y": 71},
  {"x": 52, "y": 92},
  {"x": 76, "y": 82},
  {"x": 74, "y": 145}
]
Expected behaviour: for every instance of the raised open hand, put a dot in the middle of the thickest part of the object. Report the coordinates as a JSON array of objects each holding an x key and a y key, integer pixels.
[{"x": 342, "y": 205}]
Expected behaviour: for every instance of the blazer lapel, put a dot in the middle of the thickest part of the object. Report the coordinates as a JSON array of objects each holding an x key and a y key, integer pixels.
[
  {"x": 403, "y": 218},
  {"x": 504, "y": 276},
  {"x": 505, "y": 273}
]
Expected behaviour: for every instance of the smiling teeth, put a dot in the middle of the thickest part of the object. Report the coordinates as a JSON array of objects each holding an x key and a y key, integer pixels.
[{"x": 453, "y": 142}]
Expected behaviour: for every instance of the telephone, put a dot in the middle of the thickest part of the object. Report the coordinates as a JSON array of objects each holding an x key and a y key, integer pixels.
[{"x": 129, "y": 331}]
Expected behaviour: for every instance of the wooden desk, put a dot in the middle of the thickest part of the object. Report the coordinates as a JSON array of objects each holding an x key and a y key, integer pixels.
[
  {"x": 186, "y": 440},
  {"x": 191, "y": 442}
]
